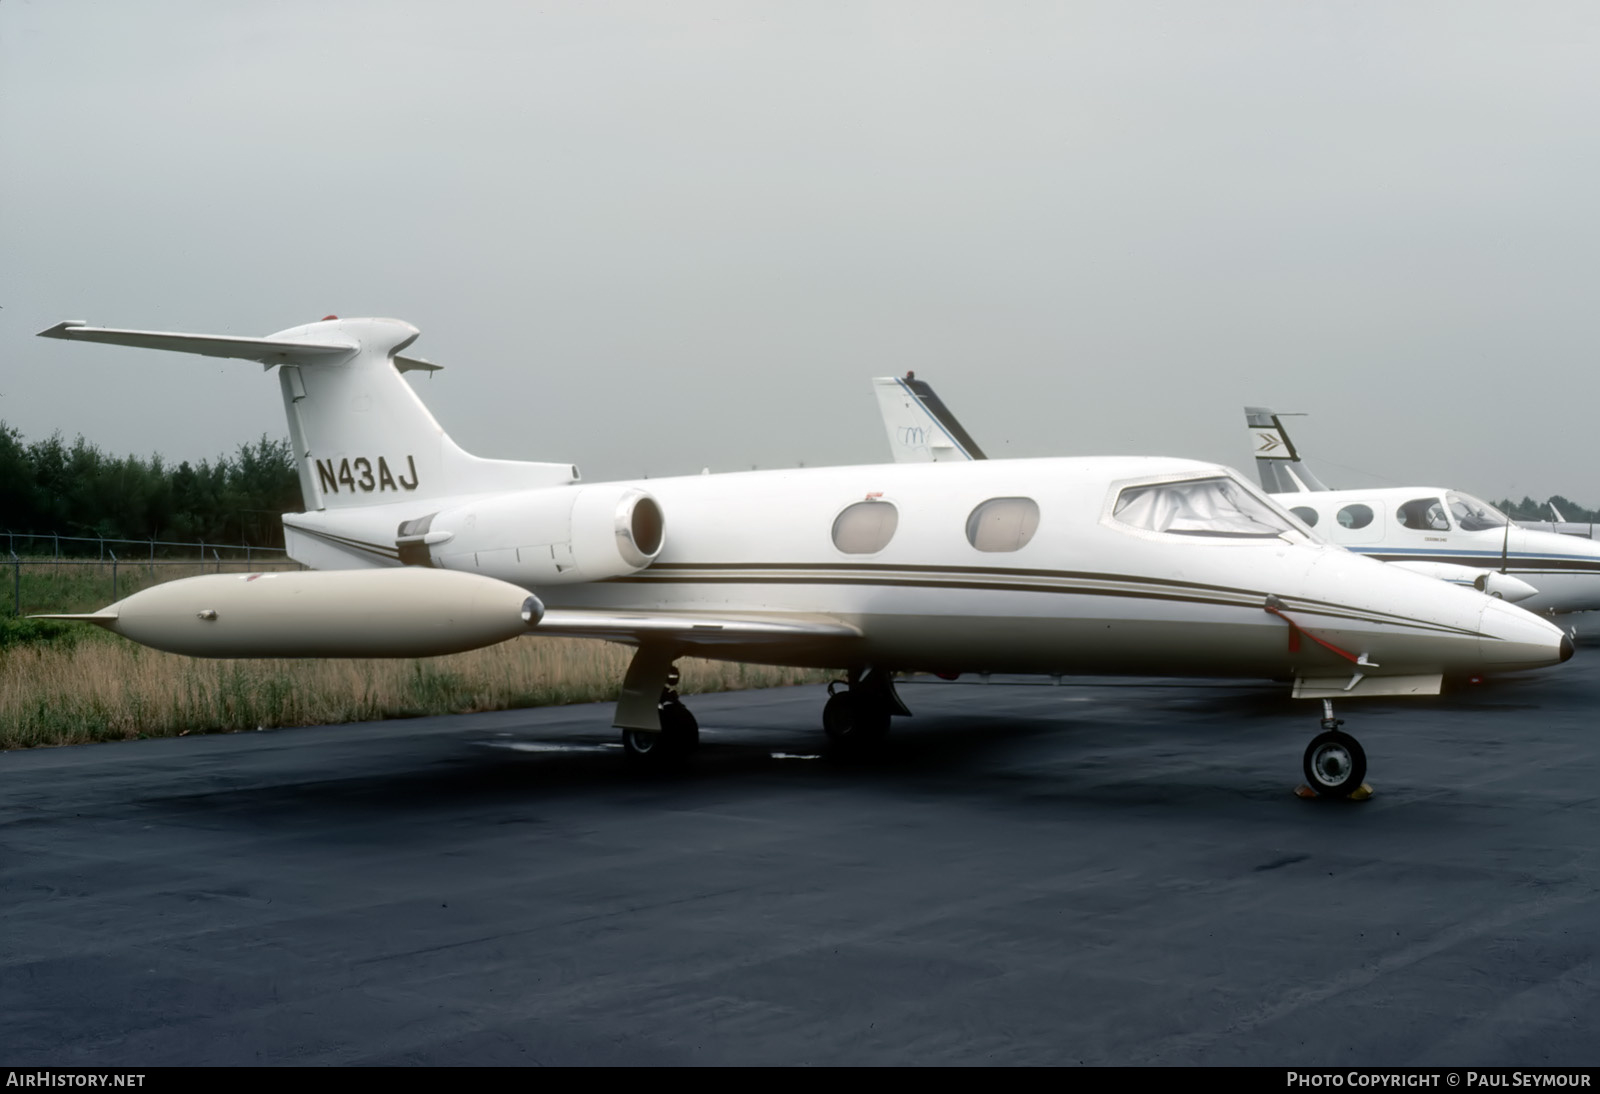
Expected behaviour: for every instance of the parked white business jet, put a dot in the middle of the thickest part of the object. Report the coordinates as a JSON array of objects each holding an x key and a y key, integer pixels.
[
  {"x": 1424, "y": 527},
  {"x": 1115, "y": 565}
]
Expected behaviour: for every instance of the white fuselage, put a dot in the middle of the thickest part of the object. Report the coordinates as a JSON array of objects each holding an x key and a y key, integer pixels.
[
  {"x": 1420, "y": 524},
  {"x": 1088, "y": 592}
]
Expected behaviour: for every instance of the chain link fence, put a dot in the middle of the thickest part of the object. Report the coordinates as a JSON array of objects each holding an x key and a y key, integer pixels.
[{"x": 55, "y": 573}]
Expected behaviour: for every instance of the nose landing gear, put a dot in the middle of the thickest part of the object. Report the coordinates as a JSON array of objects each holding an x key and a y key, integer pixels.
[{"x": 1335, "y": 763}]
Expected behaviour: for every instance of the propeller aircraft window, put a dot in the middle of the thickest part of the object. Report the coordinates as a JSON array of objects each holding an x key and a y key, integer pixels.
[
  {"x": 1003, "y": 524},
  {"x": 1307, "y": 514},
  {"x": 1217, "y": 507},
  {"x": 1423, "y": 515},
  {"x": 866, "y": 527},
  {"x": 1356, "y": 516},
  {"x": 1473, "y": 515}
]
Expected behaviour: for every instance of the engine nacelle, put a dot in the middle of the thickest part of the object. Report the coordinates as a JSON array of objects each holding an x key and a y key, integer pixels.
[
  {"x": 555, "y": 536},
  {"x": 1504, "y": 586},
  {"x": 1491, "y": 582}
]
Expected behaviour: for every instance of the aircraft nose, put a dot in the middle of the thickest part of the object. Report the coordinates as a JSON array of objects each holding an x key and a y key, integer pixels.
[{"x": 1510, "y": 638}]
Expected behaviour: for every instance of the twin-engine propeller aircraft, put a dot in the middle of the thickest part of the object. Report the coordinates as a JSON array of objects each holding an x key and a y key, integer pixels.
[
  {"x": 1426, "y": 528},
  {"x": 1116, "y": 565}
]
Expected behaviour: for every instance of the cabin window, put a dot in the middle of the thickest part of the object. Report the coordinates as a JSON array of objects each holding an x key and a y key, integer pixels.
[
  {"x": 1473, "y": 515},
  {"x": 1218, "y": 507},
  {"x": 1307, "y": 514},
  {"x": 1003, "y": 524},
  {"x": 1423, "y": 515},
  {"x": 865, "y": 528},
  {"x": 1356, "y": 516}
]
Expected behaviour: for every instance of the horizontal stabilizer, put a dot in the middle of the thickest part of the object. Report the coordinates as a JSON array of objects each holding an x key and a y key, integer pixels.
[{"x": 269, "y": 351}]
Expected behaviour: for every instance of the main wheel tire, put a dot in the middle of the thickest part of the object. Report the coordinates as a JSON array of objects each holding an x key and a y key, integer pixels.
[
  {"x": 850, "y": 721},
  {"x": 1335, "y": 764},
  {"x": 672, "y": 744},
  {"x": 679, "y": 727}
]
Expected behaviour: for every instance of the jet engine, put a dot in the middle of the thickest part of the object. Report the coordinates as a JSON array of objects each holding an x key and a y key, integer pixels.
[{"x": 558, "y": 535}]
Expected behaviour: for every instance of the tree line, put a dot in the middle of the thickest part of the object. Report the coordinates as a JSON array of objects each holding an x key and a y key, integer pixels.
[
  {"x": 1528, "y": 509},
  {"x": 77, "y": 490}
]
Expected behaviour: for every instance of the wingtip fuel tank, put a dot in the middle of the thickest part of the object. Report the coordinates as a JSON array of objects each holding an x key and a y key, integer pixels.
[{"x": 396, "y": 612}]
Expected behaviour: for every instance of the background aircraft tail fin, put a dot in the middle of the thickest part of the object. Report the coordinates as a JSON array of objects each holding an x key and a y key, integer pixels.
[
  {"x": 921, "y": 428},
  {"x": 360, "y": 435},
  {"x": 1278, "y": 464}
]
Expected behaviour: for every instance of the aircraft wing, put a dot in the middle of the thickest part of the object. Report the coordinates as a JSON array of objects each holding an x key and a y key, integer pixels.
[{"x": 693, "y": 631}]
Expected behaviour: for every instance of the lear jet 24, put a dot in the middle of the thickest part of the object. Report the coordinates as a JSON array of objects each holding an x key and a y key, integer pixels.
[
  {"x": 1430, "y": 529},
  {"x": 1116, "y": 565}
]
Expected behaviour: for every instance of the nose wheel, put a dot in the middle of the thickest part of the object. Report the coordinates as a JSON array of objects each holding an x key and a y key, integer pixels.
[{"x": 1335, "y": 763}]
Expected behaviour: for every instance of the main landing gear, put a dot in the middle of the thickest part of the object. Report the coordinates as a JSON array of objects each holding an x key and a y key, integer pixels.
[
  {"x": 657, "y": 729},
  {"x": 1335, "y": 763},
  {"x": 856, "y": 719},
  {"x": 674, "y": 742}
]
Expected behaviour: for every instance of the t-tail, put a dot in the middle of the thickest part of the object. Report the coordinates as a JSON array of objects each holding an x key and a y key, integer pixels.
[
  {"x": 921, "y": 428},
  {"x": 360, "y": 435},
  {"x": 1278, "y": 464}
]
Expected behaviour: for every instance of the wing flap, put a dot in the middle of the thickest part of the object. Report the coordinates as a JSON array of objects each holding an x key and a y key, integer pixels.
[{"x": 691, "y": 631}]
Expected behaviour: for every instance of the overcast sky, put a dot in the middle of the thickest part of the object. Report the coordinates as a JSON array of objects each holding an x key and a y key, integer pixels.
[{"x": 651, "y": 237}]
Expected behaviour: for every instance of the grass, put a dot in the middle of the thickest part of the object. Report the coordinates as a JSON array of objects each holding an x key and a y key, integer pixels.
[
  {"x": 94, "y": 686},
  {"x": 70, "y": 683}
]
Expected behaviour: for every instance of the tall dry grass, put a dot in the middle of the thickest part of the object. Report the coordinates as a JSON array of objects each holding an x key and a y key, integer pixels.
[{"x": 105, "y": 688}]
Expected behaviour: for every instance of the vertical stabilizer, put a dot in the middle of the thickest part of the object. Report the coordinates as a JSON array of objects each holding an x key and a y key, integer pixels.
[
  {"x": 921, "y": 428},
  {"x": 360, "y": 435},
  {"x": 1278, "y": 464}
]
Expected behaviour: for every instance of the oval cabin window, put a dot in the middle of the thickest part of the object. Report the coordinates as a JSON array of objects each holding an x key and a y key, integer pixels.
[
  {"x": 1355, "y": 516},
  {"x": 1307, "y": 514},
  {"x": 865, "y": 528},
  {"x": 1003, "y": 524}
]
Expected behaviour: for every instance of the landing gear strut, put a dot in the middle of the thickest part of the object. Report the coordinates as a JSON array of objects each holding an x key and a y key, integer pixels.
[
  {"x": 657, "y": 729},
  {"x": 856, "y": 719},
  {"x": 1335, "y": 763}
]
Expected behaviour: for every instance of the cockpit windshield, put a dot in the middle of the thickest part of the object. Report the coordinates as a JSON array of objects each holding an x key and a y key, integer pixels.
[
  {"x": 1473, "y": 515},
  {"x": 1200, "y": 507}
]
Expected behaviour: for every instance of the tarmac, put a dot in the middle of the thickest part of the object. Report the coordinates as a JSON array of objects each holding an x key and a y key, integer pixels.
[{"x": 1101, "y": 872}]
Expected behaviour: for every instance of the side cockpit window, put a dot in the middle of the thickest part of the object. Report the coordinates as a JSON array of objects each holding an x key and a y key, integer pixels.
[
  {"x": 1307, "y": 514},
  {"x": 866, "y": 527},
  {"x": 1423, "y": 515},
  {"x": 1003, "y": 524},
  {"x": 1218, "y": 507}
]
